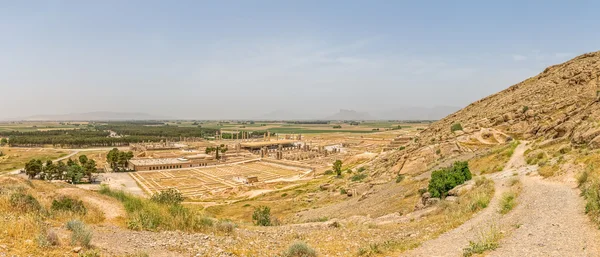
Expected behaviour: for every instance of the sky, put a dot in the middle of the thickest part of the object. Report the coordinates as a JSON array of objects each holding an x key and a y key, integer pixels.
[{"x": 244, "y": 59}]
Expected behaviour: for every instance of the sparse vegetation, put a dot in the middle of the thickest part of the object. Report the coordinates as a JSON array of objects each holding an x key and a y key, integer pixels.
[
  {"x": 170, "y": 196},
  {"x": 487, "y": 240},
  {"x": 455, "y": 127},
  {"x": 507, "y": 202},
  {"x": 262, "y": 216},
  {"x": 145, "y": 214},
  {"x": 299, "y": 249},
  {"x": 64, "y": 203},
  {"x": 24, "y": 202},
  {"x": 81, "y": 234},
  {"x": 525, "y": 109},
  {"x": 399, "y": 178},
  {"x": 358, "y": 177}
]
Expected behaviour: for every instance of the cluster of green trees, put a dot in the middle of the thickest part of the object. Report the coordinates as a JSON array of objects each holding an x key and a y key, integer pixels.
[
  {"x": 159, "y": 132},
  {"x": 98, "y": 135},
  {"x": 118, "y": 159},
  {"x": 445, "y": 179},
  {"x": 72, "y": 171},
  {"x": 3, "y": 141},
  {"x": 221, "y": 148},
  {"x": 72, "y": 138}
]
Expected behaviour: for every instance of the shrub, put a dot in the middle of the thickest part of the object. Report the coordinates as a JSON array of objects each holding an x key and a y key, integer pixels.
[
  {"x": 81, "y": 234},
  {"x": 507, "y": 202},
  {"x": 262, "y": 216},
  {"x": 361, "y": 169},
  {"x": 24, "y": 202},
  {"x": 582, "y": 178},
  {"x": 225, "y": 226},
  {"x": 64, "y": 203},
  {"x": 146, "y": 214},
  {"x": 337, "y": 167},
  {"x": 299, "y": 249},
  {"x": 358, "y": 177},
  {"x": 399, "y": 178},
  {"x": 343, "y": 191},
  {"x": 445, "y": 179},
  {"x": 169, "y": 196},
  {"x": 48, "y": 238},
  {"x": 90, "y": 253},
  {"x": 337, "y": 126},
  {"x": 525, "y": 109},
  {"x": 455, "y": 127},
  {"x": 486, "y": 241}
]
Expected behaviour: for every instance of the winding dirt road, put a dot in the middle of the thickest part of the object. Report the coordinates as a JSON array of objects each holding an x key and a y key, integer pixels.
[{"x": 548, "y": 220}]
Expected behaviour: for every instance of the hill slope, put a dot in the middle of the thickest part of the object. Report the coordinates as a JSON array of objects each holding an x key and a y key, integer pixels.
[{"x": 560, "y": 102}]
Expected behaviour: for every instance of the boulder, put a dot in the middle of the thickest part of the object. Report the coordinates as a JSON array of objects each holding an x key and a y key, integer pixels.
[{"x": 451, "y": 198}]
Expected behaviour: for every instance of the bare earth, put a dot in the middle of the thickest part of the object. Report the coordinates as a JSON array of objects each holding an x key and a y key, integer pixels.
[{"x": 548, "y": 220}]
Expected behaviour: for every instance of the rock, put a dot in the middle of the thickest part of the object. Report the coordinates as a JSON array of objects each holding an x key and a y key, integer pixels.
[
  {"x": 451, "y": 198},
  {"x": 325, "y": 186},
  {"x": 426, "y": 195},
  {"x": 432, "y": 201},
  {"x": 76, "y": 249},
  {"x": 461, "y": 189}
]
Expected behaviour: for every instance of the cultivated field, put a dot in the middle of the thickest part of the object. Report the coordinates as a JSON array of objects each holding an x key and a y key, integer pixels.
[{"x": 199, "y": 182}]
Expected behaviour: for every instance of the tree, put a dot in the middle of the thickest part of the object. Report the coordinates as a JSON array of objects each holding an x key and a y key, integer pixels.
[
  {"x": 3, "y": 141},
  {"x": 74, "y": 173},
  {"x": 262, "y": 216},
  {"x": 113, "y": 158},
  {"x": 71, "y": 162},
  {"x": 89, "y": 168},
  {"x": 49, "y": 170},
  {"x": 83, "y": 159},
  {"x": 33, "y": 168},
  {"x": 337, "y": 167}
]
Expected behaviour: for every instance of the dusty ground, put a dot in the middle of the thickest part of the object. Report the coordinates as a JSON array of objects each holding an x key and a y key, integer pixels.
[{"x": 548, "y": 220}]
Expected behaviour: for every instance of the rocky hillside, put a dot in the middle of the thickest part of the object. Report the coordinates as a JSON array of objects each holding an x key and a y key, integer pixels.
[{"x": 560, "y": 102}]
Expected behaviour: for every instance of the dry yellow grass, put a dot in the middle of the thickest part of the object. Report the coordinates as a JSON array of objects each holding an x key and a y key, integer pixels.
[
  {"x": 15, "y": 158},
  {"x": 494, "y": 161},
  {"x": 20, "y": 230}
]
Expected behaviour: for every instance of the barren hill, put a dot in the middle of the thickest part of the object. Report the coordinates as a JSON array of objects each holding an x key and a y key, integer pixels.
[{"x": 562, "y": 101}]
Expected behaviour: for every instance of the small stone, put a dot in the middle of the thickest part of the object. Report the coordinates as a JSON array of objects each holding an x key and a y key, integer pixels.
[{"x": 77, "y": 249}]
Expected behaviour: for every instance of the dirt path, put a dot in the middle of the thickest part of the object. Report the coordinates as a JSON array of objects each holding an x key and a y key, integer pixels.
[
  {"x": 452, "y": 242},
  {"x": 110, "y": 207},
  {"x": 551, "y": 222},
  {"x": 548, "y": 220}
]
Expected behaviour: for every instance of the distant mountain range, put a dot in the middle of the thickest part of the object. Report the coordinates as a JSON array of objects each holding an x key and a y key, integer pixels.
[
  {"x": 96, "y": 116},
  {"x": 403, "y": 113}
]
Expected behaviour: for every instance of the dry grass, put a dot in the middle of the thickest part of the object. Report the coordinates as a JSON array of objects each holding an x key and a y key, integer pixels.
[
  {"x": 15, "y": 158},
  {"x": 487, "y": 240},
  {"x": 31, "y": 233},
  {"x": 494, "y": 161}
]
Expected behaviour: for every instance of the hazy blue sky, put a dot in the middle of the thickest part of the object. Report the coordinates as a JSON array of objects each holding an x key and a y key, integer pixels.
[{"x": 242, "y": 59}]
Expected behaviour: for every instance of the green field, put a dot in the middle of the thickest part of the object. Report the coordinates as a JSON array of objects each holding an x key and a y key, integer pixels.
[{"x": 296, "y": 130}]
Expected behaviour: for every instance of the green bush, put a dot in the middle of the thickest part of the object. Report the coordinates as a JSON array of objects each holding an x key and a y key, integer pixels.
[
  {"x": 445, "y": 179},
  {"x": 361, "y": 169},
  {"x": 262, "y": 216},
  {"x": 525, "y": 108},
  {"x": 455, "y": 127},
  {"x": 24, "y": 202},
  {"x": 65, "y": 203},
  {"x": 399, "y": 178},
  {"x": 299, "y": 249},
  {"x": 358, "y": 177},
  {"x": 169, "y": 196}
]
